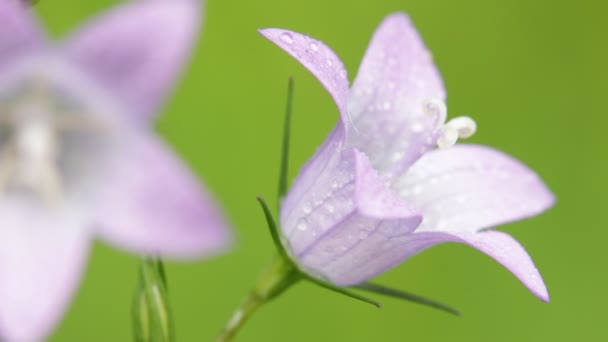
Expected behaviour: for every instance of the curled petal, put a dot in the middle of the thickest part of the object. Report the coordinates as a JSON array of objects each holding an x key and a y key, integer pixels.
[
  {"x": 19, "y": 31},
  {"x": 137, "y": 50},
  {"x": 319, "y": 59},
  {"x": 396, "y": 103},
  {"x": 504, "y": 249},
  {"x": 321, "y": 196},
  {"x": 376, "y": 214},
  {"x": 388, "y": 250},
  {"x": 150, "y": 203},
  {"x": 41, "y": 258},
  {"x": 470, "y": 187},
  {"x": 500, "y": 246}
]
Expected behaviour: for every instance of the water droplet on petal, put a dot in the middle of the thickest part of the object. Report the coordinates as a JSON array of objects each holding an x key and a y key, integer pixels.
[
  {"x": 314, "y": 46},
  {"x": 302, "y": 224},
  {"x": 307, "y": 207},
  {"x": 286, "y": 37}
]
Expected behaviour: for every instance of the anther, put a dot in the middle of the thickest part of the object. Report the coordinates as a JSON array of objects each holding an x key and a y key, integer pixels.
[
  {"x": 435, "y": 106},
  {"x": 459, "y": 127}
]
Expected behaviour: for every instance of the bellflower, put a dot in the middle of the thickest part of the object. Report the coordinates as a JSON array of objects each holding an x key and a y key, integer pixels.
[
  {"x": 378, "y": 191},
  {"x": 79, "y": 159}
]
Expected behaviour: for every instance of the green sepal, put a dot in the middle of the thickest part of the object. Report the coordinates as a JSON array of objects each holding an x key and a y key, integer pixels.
[
  {"x": 342, "y": 290},
  {"x": 394, "y": 293},
  {"x": 286, "y": 139},
  {"x": 274, "y": 230}
]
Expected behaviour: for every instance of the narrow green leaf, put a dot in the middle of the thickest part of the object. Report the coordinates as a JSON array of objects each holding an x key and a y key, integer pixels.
[
  {"x": 344, "y": 291},
  {"x": 390, "y": 292},
  {"x": 274, "y": 229},
  {"x": 286, "y": 140}
]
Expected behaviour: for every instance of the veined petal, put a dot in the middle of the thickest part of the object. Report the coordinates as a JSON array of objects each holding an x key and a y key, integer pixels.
[
  {"x": 42, "y": 253},
  {"x": 321, "y": 196},
  {"x": 137, "y": 50},
  {"x": 150, "y": 203},
  {"x": 347, "y": 224},
  {"x": 507, "y": 251},
  {"x": 319, "y": 59},
  {"x": 19, "y": 31},
  {"x": 393, "y": 250},
  {"x": 396, "y": 80},
  {"x": 470, "y": 187}
]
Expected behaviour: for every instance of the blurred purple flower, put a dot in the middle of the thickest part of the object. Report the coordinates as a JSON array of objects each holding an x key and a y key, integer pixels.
[
  {"x": 377, "y": 191},
  {"x": 79, "y": 159}
]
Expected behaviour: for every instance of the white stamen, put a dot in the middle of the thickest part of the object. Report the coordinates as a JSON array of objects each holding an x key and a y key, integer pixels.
[
  {"x": 465, "y": 126},
  {"x": 459, "y": 127},
  {"x": 435, "y": 106},
  {"x": 448, "y": 137}
]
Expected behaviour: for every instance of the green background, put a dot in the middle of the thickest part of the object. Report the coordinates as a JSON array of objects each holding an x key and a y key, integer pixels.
[{"x": 532, "y": 73}]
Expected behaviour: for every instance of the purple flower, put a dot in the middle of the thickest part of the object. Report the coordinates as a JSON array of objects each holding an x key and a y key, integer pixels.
[
  {"x": 378, "y": 191},
  {"x": 78, "y": 157}
]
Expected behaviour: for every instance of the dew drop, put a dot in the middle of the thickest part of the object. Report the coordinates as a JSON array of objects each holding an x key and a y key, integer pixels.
[
  {"x": 343, "y": 73},
  {"x": 286, "y": 37},
  {"x": 307, "y": 207},
  {"x": 314, "y": 46},
  {"x": 302, "y": 224}
]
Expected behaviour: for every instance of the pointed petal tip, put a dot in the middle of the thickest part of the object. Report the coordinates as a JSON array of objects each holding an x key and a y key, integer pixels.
[
  {"x": 165, "y": 210},
  {"x": 541, "y": 292},
  {"x": 545, "y": 297},
  {"x": 511, "y": 254},
  {"x": 122, "y": 54},
  {"x": 318, "y": 58}
]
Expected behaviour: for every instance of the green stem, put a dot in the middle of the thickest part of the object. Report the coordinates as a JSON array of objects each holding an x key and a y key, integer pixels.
[
  {"x": 242, "y": 314},
  {"x": 276, "y": 278}
]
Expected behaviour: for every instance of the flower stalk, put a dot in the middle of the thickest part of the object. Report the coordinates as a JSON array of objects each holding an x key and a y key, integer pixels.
[{"x": 276, "y": 278}]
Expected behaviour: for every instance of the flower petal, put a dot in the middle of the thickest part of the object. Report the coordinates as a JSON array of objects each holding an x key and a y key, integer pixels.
[
  {"x": 321, "y": 196},
  {"x": 150, "y": 203},
  {"x": 470, "y": 187},
  {"x": 375, "y": 198},
  {"x": 319, "y": 59},
  {"x": 350, "y": 220},
  {"x": 507, "y": 251},
  {"x": 42, "y": 253},
  {"x": 353, "y": 269},
  {"x": 387, "y": 102},
  {"x": 138, "y": 49},
  {"x": 19, "y": 31}
]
